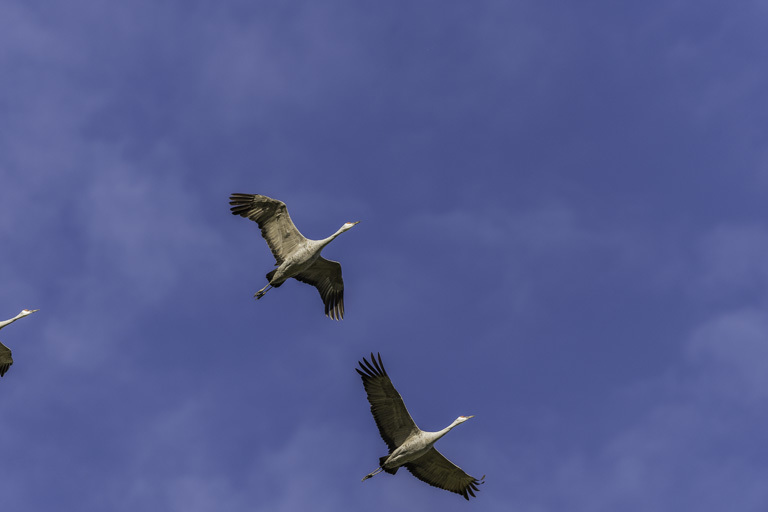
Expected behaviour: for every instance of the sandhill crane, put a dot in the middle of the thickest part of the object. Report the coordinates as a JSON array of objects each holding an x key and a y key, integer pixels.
[
  {"x": 5, "y": 353},
  {"x": 410, "y": 446},
  {"x": 295, "y": 256}
]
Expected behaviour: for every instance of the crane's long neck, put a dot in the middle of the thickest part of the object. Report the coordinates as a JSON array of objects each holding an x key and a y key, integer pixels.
[
  {"x": 440, "y": 433},
  {"x": 10, "y": 321},
  {"x": 326, "y": 241}
]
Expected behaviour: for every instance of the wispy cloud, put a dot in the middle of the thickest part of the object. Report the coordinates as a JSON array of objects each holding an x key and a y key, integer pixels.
[
  {"x": 687, "y": 443},
  {"x": 734, "y": 258}
]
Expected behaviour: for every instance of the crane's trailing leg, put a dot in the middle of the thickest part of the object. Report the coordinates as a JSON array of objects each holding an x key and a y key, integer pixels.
[
  {"x": 369, "y": 475},
  {"x": 259, "y": 294}
]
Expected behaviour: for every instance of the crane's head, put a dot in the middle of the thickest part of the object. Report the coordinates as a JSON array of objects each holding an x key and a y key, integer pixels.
[
  {"x": 462, "y": 419},
  {"x": 349, "y": 225},
  {"x": 26, "y": 312}
]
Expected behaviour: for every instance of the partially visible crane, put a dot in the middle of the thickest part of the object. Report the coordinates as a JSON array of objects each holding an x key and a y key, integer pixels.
[
  {"x": 5, "y": 353},
  {"x": 296, "y": 256},
  {"x": 410, "y": 446}
]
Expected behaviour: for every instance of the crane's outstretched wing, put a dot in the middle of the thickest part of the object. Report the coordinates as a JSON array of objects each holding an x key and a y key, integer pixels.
[
  {"x": 5, "y": 359},
  {"x": 325, "y": 275},
  {"x": 438, "y": 471},
  {"x": 389, "y": 412},
  {"x": 271, "y": 215}
]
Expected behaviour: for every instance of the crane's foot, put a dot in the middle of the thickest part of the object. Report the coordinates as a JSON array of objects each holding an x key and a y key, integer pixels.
[
  {"x": 259, "y": 294},
  {"x": 369, "y": 475}
]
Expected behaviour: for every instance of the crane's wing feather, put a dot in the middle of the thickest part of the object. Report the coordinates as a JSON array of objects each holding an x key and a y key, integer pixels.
[
  {"x": 271, "y": 215},
  {"x": 434, "y": 469},
  {"x": 394, "y": 422},
  {"x": 325, "y": 275},
  {"x": 5, "y": 359}
]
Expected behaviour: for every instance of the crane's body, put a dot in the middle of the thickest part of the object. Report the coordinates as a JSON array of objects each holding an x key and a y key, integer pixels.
[
  {"x": 416, "y": 445},
  {"x": 301, "y": 259},
  {"x": 5, "y": 353},
  {"x": 409, "y": 446},
  {"x": 295, "y": 255}
]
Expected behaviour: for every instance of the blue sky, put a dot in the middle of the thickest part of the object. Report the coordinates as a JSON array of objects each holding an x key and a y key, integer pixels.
[{"x": 564, "y": 232}]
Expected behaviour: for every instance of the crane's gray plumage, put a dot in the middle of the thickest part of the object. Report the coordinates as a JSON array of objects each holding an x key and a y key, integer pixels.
[
  {"x": 409, "y": 446},
  {"x": 5, "y": 353},
  {"x": 5, "y": 359},
  {"x": 295, "y": 255}
]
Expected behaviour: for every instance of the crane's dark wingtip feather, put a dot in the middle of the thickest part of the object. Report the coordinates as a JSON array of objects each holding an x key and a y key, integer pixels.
[
  {"x": 365, "y": 373},
  {"x": 379, "y": 368},
  {"x": 240, "y": 209},
  {"x": 333, "y": 299},
  {"x": 369, "y": 368},
  {"x": 334, "y": 310},
  {"x": 473, "y": 487},
  {"x": 240, "y": 203}
]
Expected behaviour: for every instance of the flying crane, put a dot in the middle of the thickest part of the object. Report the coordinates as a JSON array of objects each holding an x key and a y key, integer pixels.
[
  {"x": 295, "y": 255},
  {"x": 409, "y": 446}
]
